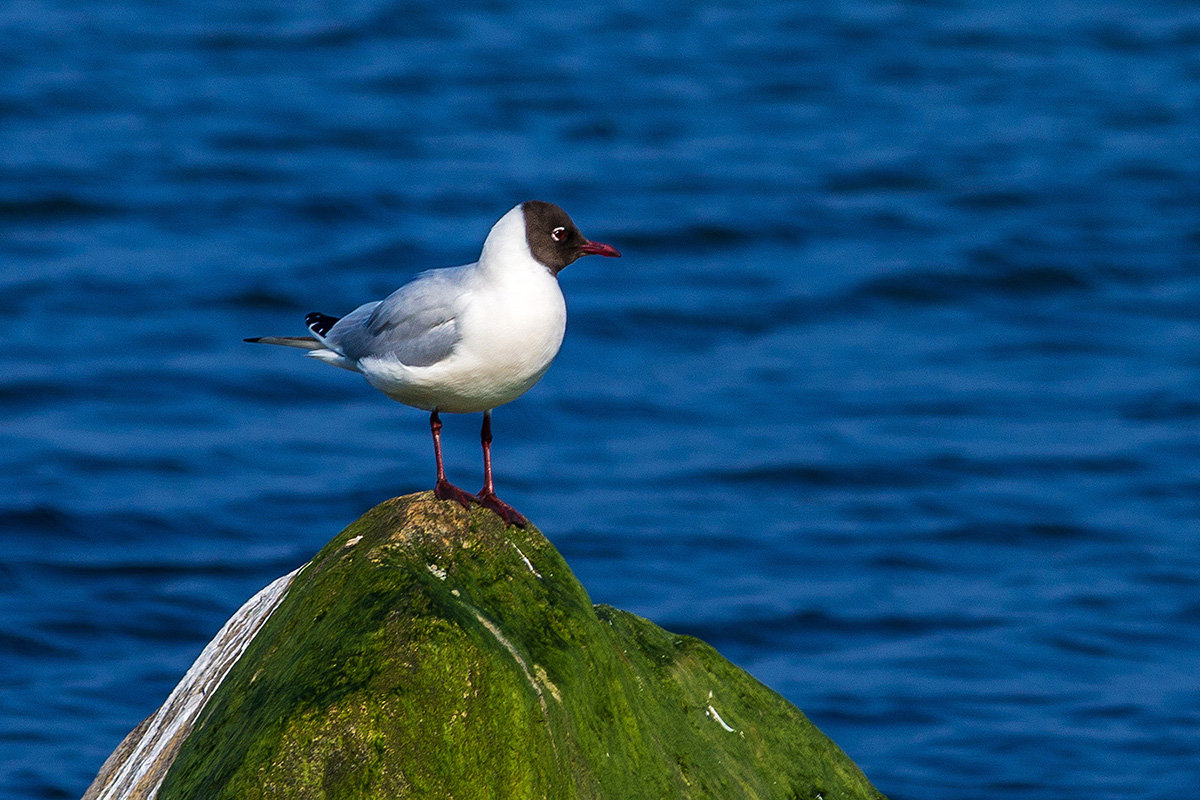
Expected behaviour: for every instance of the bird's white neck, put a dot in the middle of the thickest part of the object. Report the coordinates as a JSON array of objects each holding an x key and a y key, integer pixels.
[{"x": 506, "y": 250}]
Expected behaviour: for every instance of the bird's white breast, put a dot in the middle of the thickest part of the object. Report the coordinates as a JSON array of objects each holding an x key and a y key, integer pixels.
[{"x": 510, "y": 336}]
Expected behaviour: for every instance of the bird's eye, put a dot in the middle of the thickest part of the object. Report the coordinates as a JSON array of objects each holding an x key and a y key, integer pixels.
[{"x": 558, "y": 234}]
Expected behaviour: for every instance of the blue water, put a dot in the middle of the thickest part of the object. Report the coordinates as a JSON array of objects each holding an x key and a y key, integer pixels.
[{"x": 893, "y": 398}]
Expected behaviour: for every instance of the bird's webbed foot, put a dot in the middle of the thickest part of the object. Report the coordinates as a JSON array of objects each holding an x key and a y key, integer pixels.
[
  {"x": 502, "y": 509},
  {"x": 445, "y": 490}
]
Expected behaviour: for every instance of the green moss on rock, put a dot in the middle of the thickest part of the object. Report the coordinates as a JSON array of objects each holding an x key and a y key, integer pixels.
[{"x": 430, "y": 652}]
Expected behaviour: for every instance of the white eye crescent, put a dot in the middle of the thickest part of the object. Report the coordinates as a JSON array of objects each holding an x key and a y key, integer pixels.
[{"x": 558, "y": 234}]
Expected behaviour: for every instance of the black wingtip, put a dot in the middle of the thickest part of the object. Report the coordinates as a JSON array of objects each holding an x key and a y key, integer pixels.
[
  {"x": 318, "y": 323},
  {"x": 253, "y": 340}
]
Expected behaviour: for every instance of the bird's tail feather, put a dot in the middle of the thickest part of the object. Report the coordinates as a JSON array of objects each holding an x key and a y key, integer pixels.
[{"x": 302, "y": 342}]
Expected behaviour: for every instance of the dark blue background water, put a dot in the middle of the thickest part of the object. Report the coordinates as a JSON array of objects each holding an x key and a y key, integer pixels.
[{"x": 893, "y": 398}]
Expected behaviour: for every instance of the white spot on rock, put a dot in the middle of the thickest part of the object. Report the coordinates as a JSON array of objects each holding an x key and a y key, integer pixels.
[
  {"x": 524, "y": 558},
  {"x": 712, "y": 714}
]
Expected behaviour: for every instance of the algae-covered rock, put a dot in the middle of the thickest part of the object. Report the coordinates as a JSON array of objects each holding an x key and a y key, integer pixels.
[{"x": 430, "y": 652}]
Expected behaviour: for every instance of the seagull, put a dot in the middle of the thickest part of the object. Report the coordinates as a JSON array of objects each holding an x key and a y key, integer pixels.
[{"x": 464, "y": 339}]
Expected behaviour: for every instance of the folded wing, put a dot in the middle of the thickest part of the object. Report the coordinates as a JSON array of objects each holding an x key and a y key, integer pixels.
[{"x": 416, "y": 324}]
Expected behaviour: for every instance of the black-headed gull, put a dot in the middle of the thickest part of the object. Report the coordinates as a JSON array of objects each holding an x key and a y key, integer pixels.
[{"x": 464, "y": 339}]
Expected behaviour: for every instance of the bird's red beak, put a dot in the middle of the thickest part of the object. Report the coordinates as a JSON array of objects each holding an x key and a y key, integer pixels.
[{"x": 600, "y": 249}]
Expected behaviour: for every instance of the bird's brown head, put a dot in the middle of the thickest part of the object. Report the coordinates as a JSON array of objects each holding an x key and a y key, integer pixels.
[{"x": 553, "y": 238}]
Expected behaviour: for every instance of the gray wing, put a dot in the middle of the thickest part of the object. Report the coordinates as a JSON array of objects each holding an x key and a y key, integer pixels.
[{"x": 416, "y": 324}]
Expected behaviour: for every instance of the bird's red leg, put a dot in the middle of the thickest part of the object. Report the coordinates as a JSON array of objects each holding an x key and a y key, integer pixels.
[
  {"x": 487, "y": 495},
  {"x": 444, "y": 489}
]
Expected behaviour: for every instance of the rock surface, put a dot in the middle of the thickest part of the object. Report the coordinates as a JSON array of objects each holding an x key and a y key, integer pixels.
[{"x": 429, "y": 652}]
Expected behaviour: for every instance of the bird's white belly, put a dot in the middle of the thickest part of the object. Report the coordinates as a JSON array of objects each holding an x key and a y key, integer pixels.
[{"x": 507, "y": 345}]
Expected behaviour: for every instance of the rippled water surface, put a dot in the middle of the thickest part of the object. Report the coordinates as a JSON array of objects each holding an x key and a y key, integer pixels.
[{"x": 893, "y": 398}]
